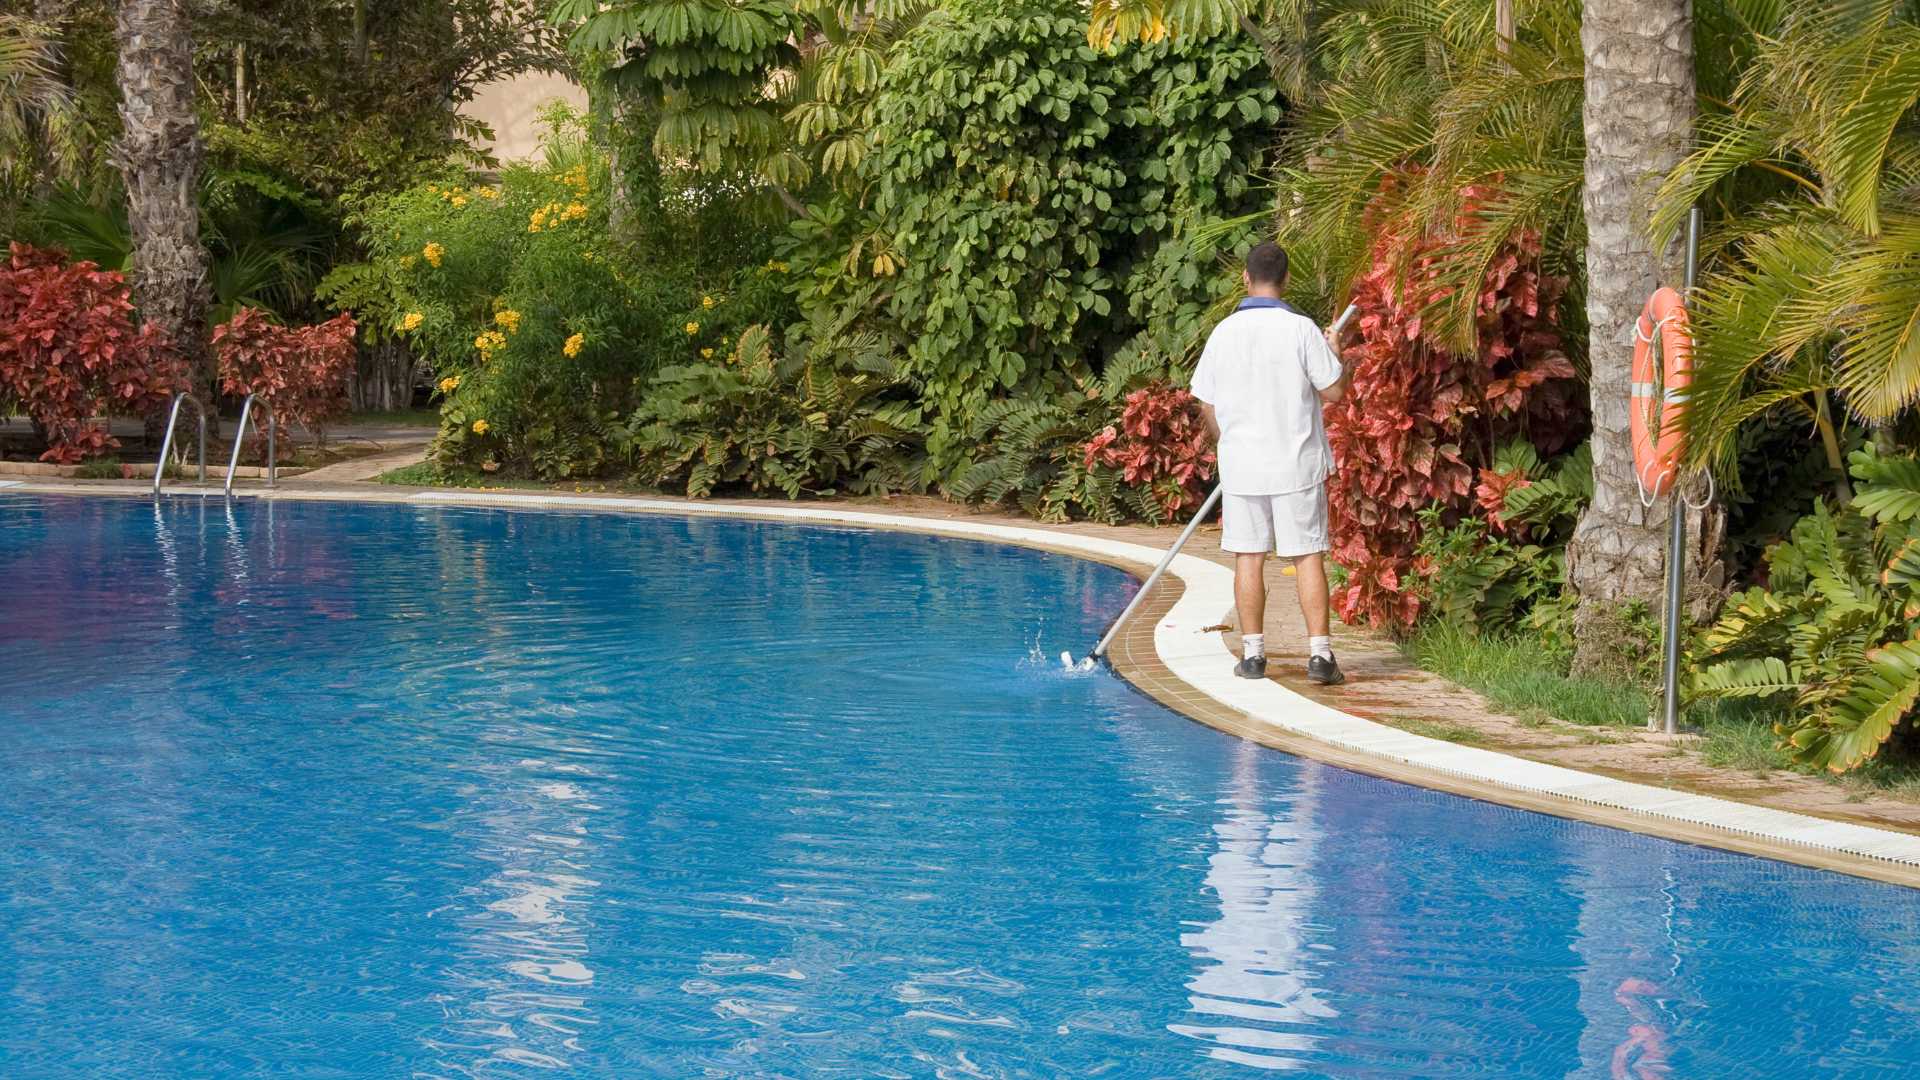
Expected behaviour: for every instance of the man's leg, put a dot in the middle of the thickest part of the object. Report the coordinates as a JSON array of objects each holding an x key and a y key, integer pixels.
[
  {"x": 1306, "y": 532},
  {"x": 1246, "y": 531},
  {"x": 1250, "y": 592},
  {"x": 1310, "y": 577}
]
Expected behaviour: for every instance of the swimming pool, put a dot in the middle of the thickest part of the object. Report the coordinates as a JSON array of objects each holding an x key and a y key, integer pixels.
[{"x": 355, "y": 790}]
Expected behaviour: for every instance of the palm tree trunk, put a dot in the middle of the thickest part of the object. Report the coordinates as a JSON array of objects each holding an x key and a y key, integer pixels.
[
  {"x": 1638, "y": 119},
  {"x": 160, "y": 157}
]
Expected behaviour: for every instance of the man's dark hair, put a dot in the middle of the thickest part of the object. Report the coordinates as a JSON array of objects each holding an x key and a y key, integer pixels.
[{"x": 1267, "y": 264}]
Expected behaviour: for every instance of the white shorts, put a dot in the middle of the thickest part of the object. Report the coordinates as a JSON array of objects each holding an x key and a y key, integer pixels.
[{"x": 1288, "y": 525}]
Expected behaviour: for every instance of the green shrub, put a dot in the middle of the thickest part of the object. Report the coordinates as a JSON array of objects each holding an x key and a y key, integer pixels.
[
  {"x": 537, "y": 326},
  {"x": 1033, "y": 452},
  {"x": 1041, "y": 202},
  {"x": 1505, "y": 573},
  {"x": 1837, "y": 627},
  {"x": 825, "y": 420}
]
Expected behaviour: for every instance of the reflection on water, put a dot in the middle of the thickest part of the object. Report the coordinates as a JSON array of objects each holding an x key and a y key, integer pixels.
[
  {"x": 1254, "y": 955},
  {"x": 375, "y": 791}
]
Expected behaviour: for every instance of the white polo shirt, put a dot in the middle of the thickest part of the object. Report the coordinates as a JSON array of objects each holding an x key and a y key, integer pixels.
[{"x": 1262, "y": 371}]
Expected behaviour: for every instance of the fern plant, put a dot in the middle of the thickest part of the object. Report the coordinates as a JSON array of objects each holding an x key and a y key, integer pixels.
[
  {"x": 1034, "y": 449},
  {"x": 1838, "y": 626},
  {"x": 821, "y": 421},
  {"x": 1505, "y": 572}
]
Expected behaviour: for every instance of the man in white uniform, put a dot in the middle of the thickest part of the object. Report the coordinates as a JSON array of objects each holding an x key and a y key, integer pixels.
[{"x": 1262, "y": 378}]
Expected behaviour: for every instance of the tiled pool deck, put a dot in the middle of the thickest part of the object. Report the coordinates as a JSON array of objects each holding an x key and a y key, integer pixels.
[{"x": 1167, "y": 652}]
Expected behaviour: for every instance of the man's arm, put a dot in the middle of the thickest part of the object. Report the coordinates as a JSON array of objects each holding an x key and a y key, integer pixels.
[
  {"x": 1213, "y": 422},
  {"x": 1338, "y": 390}
]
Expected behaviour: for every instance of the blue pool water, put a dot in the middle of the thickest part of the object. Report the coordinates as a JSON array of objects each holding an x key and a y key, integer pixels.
[{"x": 328, "y": 790}]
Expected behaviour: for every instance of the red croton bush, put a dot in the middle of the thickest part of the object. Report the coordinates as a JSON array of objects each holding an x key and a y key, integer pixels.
[
  {"x": 1421, "y": 420},
  {"x": 1161, "y": 444},
  {"x": 69, "y": 352},
  {"x": 300, "y": 372}
]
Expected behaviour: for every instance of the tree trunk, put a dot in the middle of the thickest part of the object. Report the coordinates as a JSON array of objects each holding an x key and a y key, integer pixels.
[
  {"x": 383, "y": 378},
  {"x": 360, "y": 32},
  {"x": 160, "y": 157},
  {"x": 240, "y": 83},
  {"x": 1638, "y": 119}
]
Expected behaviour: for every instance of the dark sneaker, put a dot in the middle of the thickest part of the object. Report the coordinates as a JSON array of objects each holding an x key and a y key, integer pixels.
[
  {"x": 1253, "y": 667},
  {"x": 1323, "y": 670}
]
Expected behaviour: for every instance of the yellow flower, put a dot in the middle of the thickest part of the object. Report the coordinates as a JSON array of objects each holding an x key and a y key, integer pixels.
[
  {"x": 706, "y": 354},
  {"x": 572, "y": 347},
  {"x": 407, "y": 261},
  {"x": 448, "y": 384},
  {"x": 487, "y": 192},
  {"x": 508, "y": 319},
  {"x": 458, "y": 201},
  {"x": 574, "y": 212},
  {"x": 433, "y": 253},
  {"x": 412, "y": 321},
  {"x": 490, "y": 341},
  {"x": 480, "y": 427},
  {"x": 693, "y": 328},
  {"x": 707, "y": 302},
  {"x": 533, "y": 226},
  {"x": 433, "y": 189}
]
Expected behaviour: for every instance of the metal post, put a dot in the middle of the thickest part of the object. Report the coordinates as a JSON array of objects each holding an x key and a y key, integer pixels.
[
  {"x": 273, "y": 429},
  {"x": 1677, "y": 544}
]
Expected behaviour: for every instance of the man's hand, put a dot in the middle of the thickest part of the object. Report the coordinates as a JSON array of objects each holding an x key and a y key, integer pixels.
[
  {"x": 1213, "y": 422},
  {"x": 1339, "y": 389}
]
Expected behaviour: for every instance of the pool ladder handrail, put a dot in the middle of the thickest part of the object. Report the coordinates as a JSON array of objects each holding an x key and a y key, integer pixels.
[
  {"x": 166, "y": 444},
  {"x": 240, "y": 438}
]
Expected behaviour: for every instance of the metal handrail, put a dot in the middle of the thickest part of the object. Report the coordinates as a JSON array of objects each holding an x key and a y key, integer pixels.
[
  {"x": 166, "y": 444},
  {"x": 240, "y": 437}
]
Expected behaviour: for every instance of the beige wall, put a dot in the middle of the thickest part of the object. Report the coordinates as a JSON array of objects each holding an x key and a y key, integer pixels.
[{"x": 512, "y": 108}]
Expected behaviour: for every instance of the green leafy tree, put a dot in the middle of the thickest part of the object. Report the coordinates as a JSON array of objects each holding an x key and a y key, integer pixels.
[
  {"x": 1812, "y": 294},
  {"x": 1041, "y": 201},
  {"x": 44, "y": 135}
]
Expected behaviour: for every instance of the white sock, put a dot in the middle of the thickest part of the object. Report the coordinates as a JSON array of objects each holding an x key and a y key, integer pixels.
[
  {"x": 1320, "y": 646},
  {"x": 1252, "y": 645}
]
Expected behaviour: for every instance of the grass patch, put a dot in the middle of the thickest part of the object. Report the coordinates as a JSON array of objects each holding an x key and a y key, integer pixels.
[
  {"x": 1522, "y": 678},
  {"x": 1739, "y": 735},
  {"x": 1453, "y": 733},
  {"x": 418, "y": 474},
  {"x": 428, "y": 474},
  {"x": 107, "y": 468}
]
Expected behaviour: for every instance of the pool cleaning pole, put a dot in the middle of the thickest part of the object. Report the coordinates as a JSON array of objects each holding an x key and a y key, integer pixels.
[
  {"x": 1205, "y": 509},
  {"x": 1677, "y": 545}
]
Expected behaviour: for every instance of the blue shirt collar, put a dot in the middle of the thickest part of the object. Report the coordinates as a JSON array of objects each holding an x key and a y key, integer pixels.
[{"x": 1253, "y": 303}]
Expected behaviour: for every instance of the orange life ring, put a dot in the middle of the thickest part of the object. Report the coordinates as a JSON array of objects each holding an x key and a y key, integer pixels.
[{"x": 1657, "y": 462}]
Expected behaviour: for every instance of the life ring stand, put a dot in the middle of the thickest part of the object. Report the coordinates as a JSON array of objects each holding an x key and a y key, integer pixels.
[{"x": 1659, "y": 447}]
